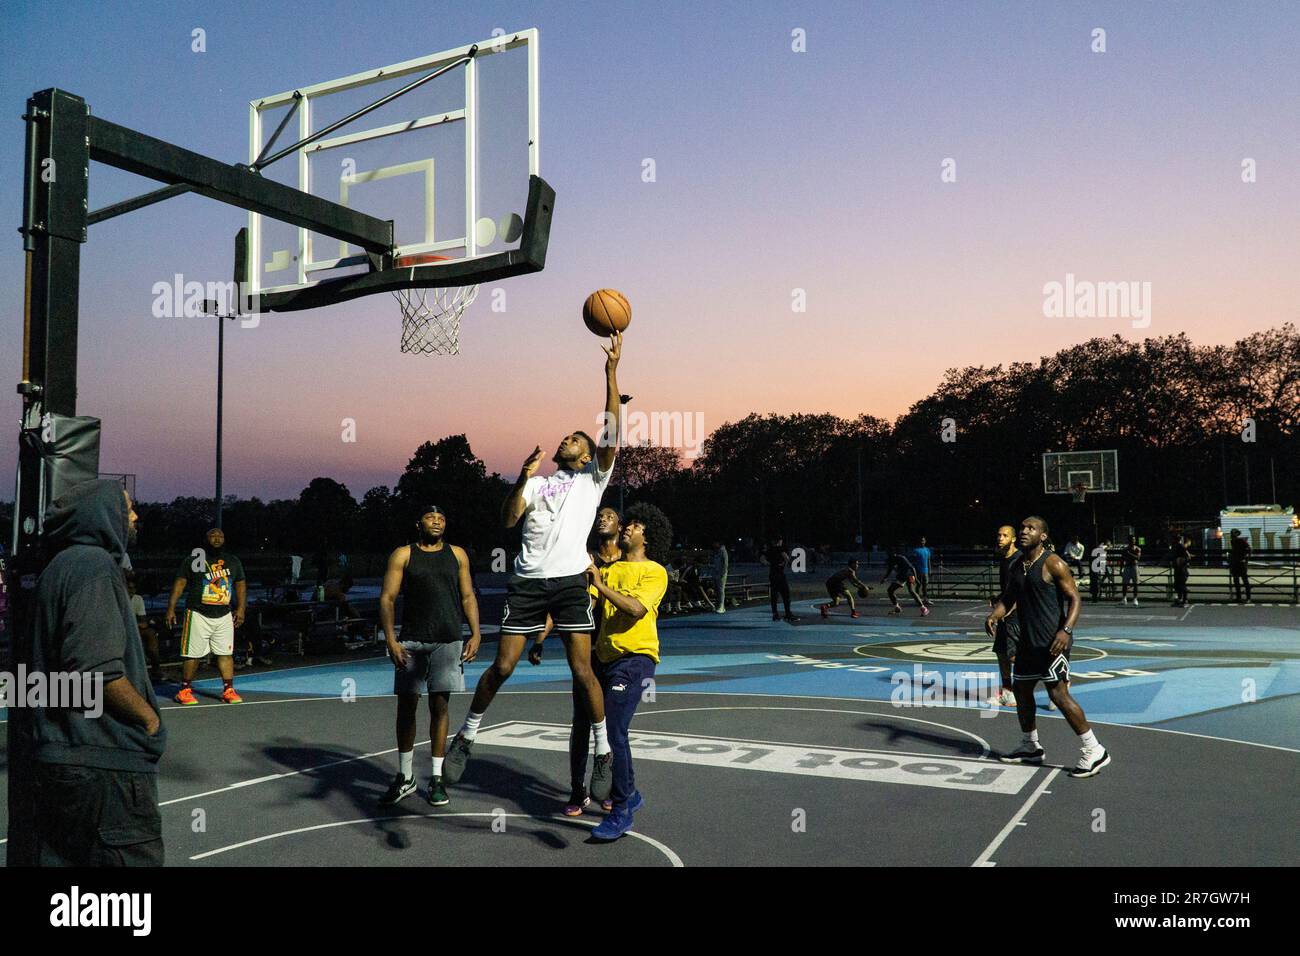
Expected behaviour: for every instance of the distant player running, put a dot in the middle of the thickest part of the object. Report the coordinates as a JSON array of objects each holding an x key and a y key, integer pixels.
[
  {"x": 434, "y": 579},
  {"x": 550, "y": 575},
  {"x": 1046, "y": 600},
  {"x": 841, "y": 585},
  {"x": 904, "y": 576}
]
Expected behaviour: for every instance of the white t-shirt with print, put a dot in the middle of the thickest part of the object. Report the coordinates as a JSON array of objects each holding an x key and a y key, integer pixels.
[{"x": 559, "y": 512}]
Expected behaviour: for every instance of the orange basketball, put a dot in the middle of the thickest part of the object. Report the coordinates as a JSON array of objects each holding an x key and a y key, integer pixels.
[{"x": 606, "y": 311}]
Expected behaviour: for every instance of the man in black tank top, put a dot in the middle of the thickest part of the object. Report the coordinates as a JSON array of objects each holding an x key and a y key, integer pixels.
[
  {"x": 1042, "y": 590},
  {"x": 1008, "y": 629},
  {"x": 438, "y": 594}
]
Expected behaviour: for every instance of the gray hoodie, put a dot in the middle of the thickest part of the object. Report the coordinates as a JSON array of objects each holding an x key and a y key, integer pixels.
[{"x": 83, "y": 622}]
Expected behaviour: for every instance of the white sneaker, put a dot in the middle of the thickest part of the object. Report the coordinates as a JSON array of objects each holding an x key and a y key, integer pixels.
[
  {"x": 1126, "y": 602},
  {"x": 1135, "y": 602}
]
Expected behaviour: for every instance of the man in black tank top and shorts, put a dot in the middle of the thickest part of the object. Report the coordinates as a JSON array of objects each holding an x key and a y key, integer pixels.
[
  {"x": 1043, "y": 592},
  {"x": 438, "y": 593},
  {"x": 1008, "y": 629}
]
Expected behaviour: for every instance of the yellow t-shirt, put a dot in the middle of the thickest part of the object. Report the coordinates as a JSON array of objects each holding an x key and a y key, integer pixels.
[{"x": 620, "y": 633}]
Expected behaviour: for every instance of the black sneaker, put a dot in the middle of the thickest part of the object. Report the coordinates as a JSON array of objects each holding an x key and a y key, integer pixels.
[
  {"x": 602, "y": 777},
  {"x": 1025, "y": 753},
  {"x": 1090, "y": 763},
  {"x": 437, "y": 793},
  {"x": 400, "y": 788},
  {"x": 453, "y": 767}
]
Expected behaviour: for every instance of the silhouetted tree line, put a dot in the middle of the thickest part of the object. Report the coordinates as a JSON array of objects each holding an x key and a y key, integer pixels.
[{"x": 1175, "y": 411}]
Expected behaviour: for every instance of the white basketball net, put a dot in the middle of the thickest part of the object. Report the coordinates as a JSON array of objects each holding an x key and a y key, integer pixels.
[{"x": 431, "y": 318}]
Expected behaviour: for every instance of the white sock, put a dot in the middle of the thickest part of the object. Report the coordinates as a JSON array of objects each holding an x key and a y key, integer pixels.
[
  {"x": 1031, "y": 737},
  {"x": 602, "y": 740},
  {"x": 470, "y": 728},
  {"x": 404, "y": 763},
  {"x": 1089, "y": 741},
  {"x": 437, "y": 766}
]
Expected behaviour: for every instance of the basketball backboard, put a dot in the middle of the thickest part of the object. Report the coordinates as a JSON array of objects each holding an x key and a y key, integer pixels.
[
  {"x": 453, "y": 163},
  {"x": 1096, "y": 471}
]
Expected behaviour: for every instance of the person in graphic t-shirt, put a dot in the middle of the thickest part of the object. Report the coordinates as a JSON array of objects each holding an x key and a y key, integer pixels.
[
  {"x": 550, "y": 575},
  {"x": 212, "y": 580}
]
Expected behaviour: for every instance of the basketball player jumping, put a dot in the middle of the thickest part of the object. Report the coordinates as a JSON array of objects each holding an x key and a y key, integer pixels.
[
  {"x": 550, "y": 574},
  {"x": 435, "y": 580},
  {"x": 1046, "y": 600}
]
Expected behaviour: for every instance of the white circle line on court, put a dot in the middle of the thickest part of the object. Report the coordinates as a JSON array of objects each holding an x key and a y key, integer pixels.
[
  {"x": 663, "y": 848},
  {"x": 985, "y": 663},
  {"x": 826, "y": 710},
  {"x": 714, "y": 693}
]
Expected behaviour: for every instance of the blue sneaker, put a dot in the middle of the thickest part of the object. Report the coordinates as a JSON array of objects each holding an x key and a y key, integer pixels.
[
  {"x": 635, "y": 802},
  {"x": 614, "y": 826}
]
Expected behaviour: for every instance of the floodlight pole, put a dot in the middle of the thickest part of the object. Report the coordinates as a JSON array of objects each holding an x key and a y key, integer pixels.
[
  {"x": 221, "y": 365},
  {"x": 859, "y": 542}
]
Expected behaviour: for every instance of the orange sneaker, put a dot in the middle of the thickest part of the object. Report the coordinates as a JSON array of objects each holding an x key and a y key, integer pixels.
[
  {"x": 186, "y": 696},
  {"x": 228, "y": 696}
]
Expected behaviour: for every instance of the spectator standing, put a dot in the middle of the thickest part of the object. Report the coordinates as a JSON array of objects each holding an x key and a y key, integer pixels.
[
  {"x": 1129, "y": 557},
  {"x": 1239, "y": 565},
  {"x": 721, "y": 568},
  {"x": 91, "y": 796},
  {"x": 1074, "y": 552},
  {"x": 1182, "y": 559},
  {"x": 922, "y": 554}
]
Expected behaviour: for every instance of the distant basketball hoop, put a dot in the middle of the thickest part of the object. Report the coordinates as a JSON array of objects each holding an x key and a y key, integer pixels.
[{"x": 1080, "y": 492}]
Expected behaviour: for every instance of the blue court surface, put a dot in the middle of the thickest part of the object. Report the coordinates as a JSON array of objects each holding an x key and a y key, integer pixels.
[{"x": 840, "y": 741}]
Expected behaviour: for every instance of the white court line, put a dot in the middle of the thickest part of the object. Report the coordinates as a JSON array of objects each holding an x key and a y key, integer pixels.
[
  {"x": 984, "y": 858},
  {"x": 853, "y": 700},
  {"x": 663, "y": 848},
  {"x": 822, "y": 710},
  {"x": 293, "y": 773}
]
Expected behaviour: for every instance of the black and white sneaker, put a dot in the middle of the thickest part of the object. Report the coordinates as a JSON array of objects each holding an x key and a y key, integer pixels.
[
  {"x": 400, "y": 788},
  {"x": 1025, "y": 753},
  {"x": 453, "y": 767},
  {"x": 1090, "y": 763},
  {"x": 602, "y": 777}
]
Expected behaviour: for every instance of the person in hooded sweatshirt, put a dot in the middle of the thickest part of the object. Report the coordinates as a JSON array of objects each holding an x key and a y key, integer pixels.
[{"x": 93, "y": 795}]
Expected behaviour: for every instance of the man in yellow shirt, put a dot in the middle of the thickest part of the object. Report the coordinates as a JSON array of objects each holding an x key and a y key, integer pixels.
[{"x": 627, "y": 652}]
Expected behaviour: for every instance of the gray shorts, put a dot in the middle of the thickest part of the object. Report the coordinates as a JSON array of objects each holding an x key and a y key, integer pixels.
[
  {"x": 436, "y": 668},
  {"x": 1006, "y": 637}
]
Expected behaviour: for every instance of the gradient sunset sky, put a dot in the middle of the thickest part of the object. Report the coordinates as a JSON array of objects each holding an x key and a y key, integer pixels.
[{"x": 776, "y": 170}]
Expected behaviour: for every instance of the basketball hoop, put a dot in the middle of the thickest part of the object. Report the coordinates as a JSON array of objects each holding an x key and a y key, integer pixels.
[
  {"x": 1080, "y": 492},
  {"x": 431, "y": 316}
]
